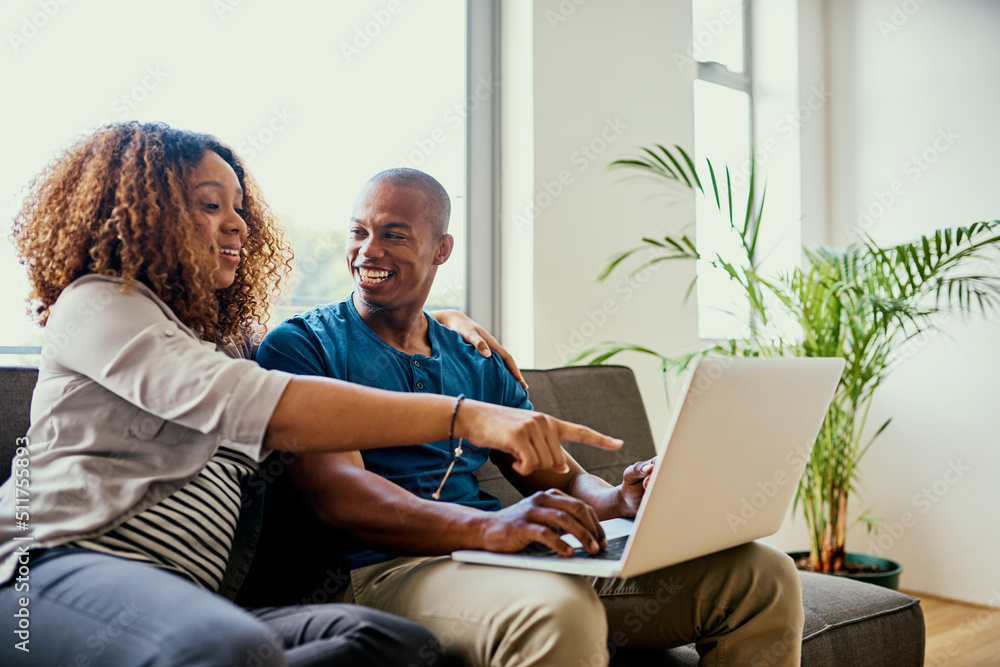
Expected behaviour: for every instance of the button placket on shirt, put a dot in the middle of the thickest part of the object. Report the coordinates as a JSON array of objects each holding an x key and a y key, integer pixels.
[{"x": 418, "y": 376}]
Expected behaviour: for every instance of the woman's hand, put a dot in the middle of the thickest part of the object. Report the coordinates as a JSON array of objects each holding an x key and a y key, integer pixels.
[
  {"x": 533, "y": 439},
  {"x": 479, "y": 337}
]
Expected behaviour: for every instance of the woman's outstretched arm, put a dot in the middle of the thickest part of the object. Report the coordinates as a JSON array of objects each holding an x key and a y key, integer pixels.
[{"x": 324, "y": 414}]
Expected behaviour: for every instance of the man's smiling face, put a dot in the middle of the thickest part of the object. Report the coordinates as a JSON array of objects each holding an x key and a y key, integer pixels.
[{"x": 394, "y": 247}]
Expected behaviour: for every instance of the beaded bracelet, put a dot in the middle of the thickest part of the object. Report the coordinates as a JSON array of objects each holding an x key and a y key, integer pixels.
[{"x": 451, "y": 439}]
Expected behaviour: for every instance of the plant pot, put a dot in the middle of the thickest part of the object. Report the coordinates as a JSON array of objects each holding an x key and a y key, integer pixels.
[{"x": 887, "y": 575}]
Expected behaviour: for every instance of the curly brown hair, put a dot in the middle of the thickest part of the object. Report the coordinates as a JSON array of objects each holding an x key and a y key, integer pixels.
[{"x": 117, "y": 203}]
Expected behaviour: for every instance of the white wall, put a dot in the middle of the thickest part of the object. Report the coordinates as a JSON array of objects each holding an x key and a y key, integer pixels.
[
  {"x": 909, "y": 78},
  {"x": 603, "y": 80}
]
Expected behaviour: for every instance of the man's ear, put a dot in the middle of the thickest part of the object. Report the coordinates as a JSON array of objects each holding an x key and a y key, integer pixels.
[{"x": 445, "y": 246}]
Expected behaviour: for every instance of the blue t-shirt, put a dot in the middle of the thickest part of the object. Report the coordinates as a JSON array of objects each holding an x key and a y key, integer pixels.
[{"x": 333, "y": 341}]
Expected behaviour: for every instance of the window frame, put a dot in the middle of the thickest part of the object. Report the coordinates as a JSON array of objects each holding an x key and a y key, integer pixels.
[{"x": 483, "y": 229}]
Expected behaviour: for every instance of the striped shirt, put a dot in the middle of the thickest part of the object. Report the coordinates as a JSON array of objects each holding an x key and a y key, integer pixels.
[{"x": 191, "y": 531}]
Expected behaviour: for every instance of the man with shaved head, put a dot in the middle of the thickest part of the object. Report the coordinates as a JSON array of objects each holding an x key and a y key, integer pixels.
[
  {"x": 439, "y": 203},
  {"x": 742, "y": 606}
]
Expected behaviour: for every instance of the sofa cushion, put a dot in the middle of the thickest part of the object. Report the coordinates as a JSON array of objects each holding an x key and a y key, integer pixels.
[
  {"x": 854, "y": 623},
  {"x": 16, "y": 385},
  {"x": 846, "y": 623}
]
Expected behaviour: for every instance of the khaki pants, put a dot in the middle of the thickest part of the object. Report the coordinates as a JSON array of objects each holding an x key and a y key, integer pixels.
[{"x": 742, "y": 606}]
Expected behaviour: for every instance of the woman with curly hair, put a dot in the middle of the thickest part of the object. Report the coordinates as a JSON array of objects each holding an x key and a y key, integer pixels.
[{"x": 153, "y": 260}]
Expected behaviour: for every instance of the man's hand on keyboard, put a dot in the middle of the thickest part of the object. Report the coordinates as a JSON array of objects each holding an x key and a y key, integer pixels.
[{"x": 542, "y": 517}]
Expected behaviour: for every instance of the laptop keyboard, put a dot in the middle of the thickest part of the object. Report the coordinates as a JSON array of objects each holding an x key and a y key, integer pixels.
[{"x": 614, "y": 551}]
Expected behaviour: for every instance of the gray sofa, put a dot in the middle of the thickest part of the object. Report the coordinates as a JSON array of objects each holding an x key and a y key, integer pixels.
[{"x": 848, "y": 624}]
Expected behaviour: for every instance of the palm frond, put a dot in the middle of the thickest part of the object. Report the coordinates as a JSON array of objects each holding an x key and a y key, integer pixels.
[
  {"x": 602, "y": 352},
  {"x": 690, "y": 164}
]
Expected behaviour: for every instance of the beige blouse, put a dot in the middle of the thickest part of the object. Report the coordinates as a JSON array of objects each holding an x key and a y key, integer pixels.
[{"x": 129, "y": 407}]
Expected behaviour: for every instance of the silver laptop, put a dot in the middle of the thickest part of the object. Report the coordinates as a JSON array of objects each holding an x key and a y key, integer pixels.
[{"x": 736, "y": 446}]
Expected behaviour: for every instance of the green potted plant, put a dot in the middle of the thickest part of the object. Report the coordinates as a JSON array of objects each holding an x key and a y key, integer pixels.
[{"x": 862, "y": 303}]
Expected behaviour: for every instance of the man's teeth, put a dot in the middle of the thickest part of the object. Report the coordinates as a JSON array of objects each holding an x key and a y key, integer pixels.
[
  {"x": 228, "y": 251},
  {"x": 370, "y": 276}
]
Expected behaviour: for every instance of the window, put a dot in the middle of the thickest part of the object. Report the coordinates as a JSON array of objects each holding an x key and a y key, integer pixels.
[
  {"x": 746, "y": 100},
  {"x": 723, "y": 133},
  {"x": 315, "y": 97}
]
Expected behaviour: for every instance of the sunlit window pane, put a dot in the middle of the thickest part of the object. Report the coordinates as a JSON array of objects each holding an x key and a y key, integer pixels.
[
  {"x": 722, "y": 134},
  {"x": 718, "y": 32}
]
